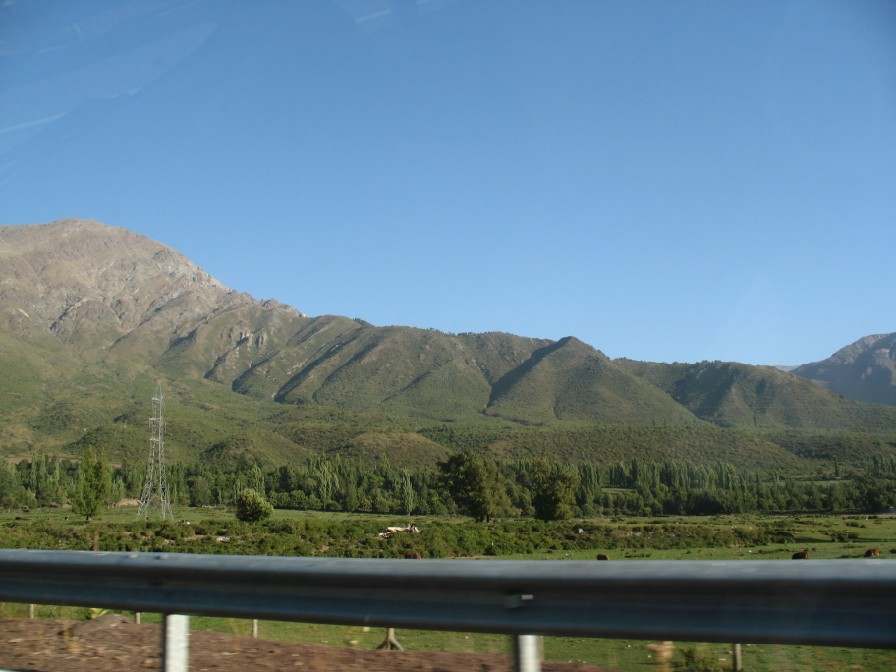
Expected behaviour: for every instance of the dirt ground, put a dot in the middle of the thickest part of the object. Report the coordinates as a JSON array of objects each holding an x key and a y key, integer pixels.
[{"x": 116, "y": 645}]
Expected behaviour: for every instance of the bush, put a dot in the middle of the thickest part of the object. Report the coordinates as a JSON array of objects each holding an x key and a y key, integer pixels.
[
  {"x": 252, "y": 507},
  {"x": 695, "y": 660}
]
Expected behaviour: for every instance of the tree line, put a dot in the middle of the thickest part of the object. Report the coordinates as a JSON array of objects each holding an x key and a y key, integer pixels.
[{"x": 468, "y": 483}]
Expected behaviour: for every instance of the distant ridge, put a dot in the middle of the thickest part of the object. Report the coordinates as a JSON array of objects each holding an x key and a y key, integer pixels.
[
  {"x": 864, "y": 370},
  {"x": 729, "y": 394}
]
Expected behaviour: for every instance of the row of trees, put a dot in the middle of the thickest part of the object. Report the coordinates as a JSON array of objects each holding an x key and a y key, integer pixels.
[
  {"x": 87, "y": 484},
  {"x": 548, "y": 490},
  {"x": 468, "y": 483}
]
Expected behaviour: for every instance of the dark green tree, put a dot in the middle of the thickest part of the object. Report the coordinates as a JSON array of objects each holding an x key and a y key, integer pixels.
[
  {"x": 553, "y": 490},
  {"x": 200, "y": 492},
  {"x": 475, "y": 486},
  {"x": 11, "y": 490}
]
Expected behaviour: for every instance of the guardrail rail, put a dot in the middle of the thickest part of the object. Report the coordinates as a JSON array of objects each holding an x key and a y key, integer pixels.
[{"x": 815, "y": 602}]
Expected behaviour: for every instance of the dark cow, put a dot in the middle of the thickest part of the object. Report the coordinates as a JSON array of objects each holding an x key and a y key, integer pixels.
[
  {"x": 603, "y": 556},
  {"x": 872, "y": 553},
  {"x": 801, "y": 555}
]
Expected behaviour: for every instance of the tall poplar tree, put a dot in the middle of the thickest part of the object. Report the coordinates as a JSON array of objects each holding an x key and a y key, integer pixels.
[{"x": 92, "y": 486}]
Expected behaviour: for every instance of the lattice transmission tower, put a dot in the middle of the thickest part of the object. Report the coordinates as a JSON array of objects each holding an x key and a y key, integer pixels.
[{"x": 155, "y": 487}]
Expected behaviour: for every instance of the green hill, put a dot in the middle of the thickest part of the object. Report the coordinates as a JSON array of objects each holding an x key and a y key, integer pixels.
[{"x": 739, "y": 395}]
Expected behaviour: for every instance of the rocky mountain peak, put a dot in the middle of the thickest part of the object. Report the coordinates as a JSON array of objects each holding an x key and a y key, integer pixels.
[
  {"x": 75, "y": 277},
  {"x": 864, "y": 370}
]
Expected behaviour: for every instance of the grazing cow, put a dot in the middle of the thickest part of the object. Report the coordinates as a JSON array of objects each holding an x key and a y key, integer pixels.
[
  {"x": 801, "y": 555},
  {"x": 389, "y": 531},
  {"x": 872, "y": 553},
  {"x": 603, "y": 556},
  {"x": 409, "y": 528},
  {"x": 413, "y": 556}
]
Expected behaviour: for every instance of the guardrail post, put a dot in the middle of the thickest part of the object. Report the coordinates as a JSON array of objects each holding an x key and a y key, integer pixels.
[
  {"x": 175, "y": 643},
  {"x": 390, "y": 643},
  {"x": 526, "y": 654}
]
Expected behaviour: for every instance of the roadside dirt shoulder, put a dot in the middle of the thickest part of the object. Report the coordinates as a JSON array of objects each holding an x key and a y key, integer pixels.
[{"x": 58, "y": 646}]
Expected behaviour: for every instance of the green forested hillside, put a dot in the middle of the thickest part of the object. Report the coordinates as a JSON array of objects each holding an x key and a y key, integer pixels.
[
  {"x": 569, "y": 380},
  {"x": 729, "y": 394}
]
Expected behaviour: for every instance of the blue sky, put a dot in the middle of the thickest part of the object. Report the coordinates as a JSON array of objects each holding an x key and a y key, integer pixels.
[{"x": 667, "y": 181}]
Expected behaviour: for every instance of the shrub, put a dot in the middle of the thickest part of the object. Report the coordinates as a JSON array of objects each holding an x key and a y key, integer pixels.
[
  {"x": 694, "y": 660},
  {"x": 251, "y": 507}
]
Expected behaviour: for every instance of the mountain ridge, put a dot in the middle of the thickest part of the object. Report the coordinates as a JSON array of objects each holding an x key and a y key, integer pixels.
[{"x": 91, "y": 315}]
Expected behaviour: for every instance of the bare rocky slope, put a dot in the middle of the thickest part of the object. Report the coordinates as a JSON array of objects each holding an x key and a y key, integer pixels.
[
  {"x": 864, "y": 370},
  {"x": 91, "y": 285}
]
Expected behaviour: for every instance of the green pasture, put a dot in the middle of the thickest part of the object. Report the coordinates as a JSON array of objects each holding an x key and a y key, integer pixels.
[{"x": 827, "y": 537}]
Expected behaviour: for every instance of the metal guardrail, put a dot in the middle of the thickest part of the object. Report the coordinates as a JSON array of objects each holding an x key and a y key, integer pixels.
[{"x": 818, "y": 602}]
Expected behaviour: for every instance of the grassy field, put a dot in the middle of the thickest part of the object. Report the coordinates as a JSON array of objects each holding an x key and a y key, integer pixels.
[{"x": 826, "y": 536}]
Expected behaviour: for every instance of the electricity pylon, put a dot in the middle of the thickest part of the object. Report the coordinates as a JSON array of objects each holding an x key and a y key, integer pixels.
[{"x": 155, "y": 487}]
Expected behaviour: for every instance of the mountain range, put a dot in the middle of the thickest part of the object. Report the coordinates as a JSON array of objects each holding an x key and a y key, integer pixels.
[{"x": 91, "y": 316}]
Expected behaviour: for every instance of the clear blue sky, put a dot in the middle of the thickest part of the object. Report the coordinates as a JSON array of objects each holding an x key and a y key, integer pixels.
[{"x": 667, "y": 181}]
